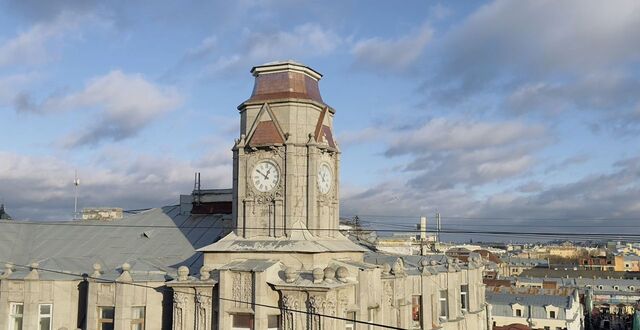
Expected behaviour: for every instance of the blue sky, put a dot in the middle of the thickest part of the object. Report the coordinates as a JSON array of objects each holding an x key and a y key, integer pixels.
[{"x": 516, "y": 109}]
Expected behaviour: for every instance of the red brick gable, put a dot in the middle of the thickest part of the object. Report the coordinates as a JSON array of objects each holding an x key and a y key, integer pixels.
[{"x": 266, "y": 133}]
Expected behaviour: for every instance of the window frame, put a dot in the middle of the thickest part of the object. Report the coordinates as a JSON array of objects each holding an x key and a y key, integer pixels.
[
  {"x": 553, "y": 315},
  {"x": 464, "y": 297},
  {"x": 138, "y": 321},
  {"x": 50, "y": 315},
  {"x": 102, "y": 321},
  {"x": 13, "y": 315},
  {"x": 518, "y": 312},
  {"x": 443, "y": 300},
  {"x": 350, "y": 323},
  {"x": 251, "y": 321}
]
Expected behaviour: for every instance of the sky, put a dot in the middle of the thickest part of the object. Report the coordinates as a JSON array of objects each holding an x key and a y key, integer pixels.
[{"x": 521, "y": 110}]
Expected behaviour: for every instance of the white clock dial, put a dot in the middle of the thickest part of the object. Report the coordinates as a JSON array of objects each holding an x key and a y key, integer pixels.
[
  {"x": 325, "y": 178},
  {"x": 265, "y": 176}
]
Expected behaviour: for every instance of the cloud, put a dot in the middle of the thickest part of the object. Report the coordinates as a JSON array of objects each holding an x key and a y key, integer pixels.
[
  {"x": 306, "y": 40},
  {"x": 391, "y": 55},
  {"x": 126, "y": 103},
  {"x": 613, "y": 195},
  {"x": 446, "y": 153},
  {"x": 543, "y": 55},
  {"x": 31, "y": 47},
  {"x": 11, "y": 84},
  {"x": 40, "y": 187}
]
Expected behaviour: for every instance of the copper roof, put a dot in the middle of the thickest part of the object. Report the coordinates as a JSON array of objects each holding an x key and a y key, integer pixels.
[{"x": 282, "y": 80}]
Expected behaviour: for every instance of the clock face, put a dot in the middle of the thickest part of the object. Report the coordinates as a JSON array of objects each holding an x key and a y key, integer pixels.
[
  {"x": 324, "y": 178},
  {"x": 265, "y": 176}
]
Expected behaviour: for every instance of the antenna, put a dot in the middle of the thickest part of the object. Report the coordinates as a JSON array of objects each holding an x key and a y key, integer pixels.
[
  {"x": 76, "y": 183},
  {"x": 196, "y": 188}
]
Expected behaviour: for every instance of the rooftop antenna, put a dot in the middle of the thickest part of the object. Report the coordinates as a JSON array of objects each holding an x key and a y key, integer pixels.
[
  {"x": 76, "y": 183},
  {"x": 196, "y": 188}
]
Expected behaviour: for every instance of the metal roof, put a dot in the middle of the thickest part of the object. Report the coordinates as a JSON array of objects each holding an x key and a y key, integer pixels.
[{"x": 154, "y": 243}]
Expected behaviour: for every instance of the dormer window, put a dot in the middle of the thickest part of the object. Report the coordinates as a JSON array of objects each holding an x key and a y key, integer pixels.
[
  {"x": 616, "y": 288},
  {"x": 552, "y": 314}
]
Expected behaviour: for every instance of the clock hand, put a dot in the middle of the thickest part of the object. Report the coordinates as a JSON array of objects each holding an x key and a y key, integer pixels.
[{"x": 266, "y": 177}]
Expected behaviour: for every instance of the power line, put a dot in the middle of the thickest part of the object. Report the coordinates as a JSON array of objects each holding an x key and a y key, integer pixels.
[
  {"x": 87, "y": 276},
  {"x": 417, "y": 217},
  {"x": 416, "y": 231}
]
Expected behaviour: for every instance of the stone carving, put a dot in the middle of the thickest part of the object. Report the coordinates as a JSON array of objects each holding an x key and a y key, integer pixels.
[
  {"x": 289, "y": 305},
  {"x": 242, "y": 290},
  {"x": 179, "y": 307},
  {"x": 342, "y": 274},
  {"x": 318, "y": 275},
  {"x": 183, "y": 273},
  {"x": 314, "y": 304},
  {"x": 290, "y": 275},
  {"x": 388, "y": 292},
  {"x": 203, "y": 311}
]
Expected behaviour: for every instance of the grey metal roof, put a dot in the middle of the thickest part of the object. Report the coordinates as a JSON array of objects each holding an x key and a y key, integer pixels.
[
  {"x": 301, "y": 240},
  {"x": 541, "y": 300},
  {"x": 154, "y": 243}
]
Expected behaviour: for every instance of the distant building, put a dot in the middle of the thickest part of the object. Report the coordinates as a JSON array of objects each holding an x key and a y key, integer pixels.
[
  {"x": 627, "y": 263},
  {"x": 534, "y": 308}
]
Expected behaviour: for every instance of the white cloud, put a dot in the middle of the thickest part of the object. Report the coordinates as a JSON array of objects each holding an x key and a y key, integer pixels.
[
  {"x": 391, "y": 55},
  {"x": 572, "y": 55},
  {"x": 40, "y": 187},
  {"x": 126, "y": 103},
  {"x": 31, "y": 47},
  {"x": 307, "y": 40},
  {"x": 442, "y": 134},
  {"x": 444, "y": 154}
]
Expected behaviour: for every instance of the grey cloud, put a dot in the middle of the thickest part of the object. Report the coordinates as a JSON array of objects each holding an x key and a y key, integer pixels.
[
  {"x": 391, "y": 55},
  {"x": 567, "y": 162},
  {"x": 41, "y": 187},
  {"x": 306, "y": 40},
  {"x": 125, "y": 104},
  {"x": 614, "y": 195},
  {"x": 542, "y": 55},
  {"x": 445, "y": 154}
]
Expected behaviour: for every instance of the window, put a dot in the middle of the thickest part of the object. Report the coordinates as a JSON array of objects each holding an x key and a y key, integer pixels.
[
  {"x": 416, "y": 309},
  {"x": 16, "y": 316},
  {"x": 464, "y": 297},
  {"x": 106, "y": 314},
  {"x": 242, "y": 321},
  {"x": 552, "y": 314},
  {"x": 547, "y": 328},
  {"x": 444, "y": 303},
  {"x": 616, "y": 288},
  {"x": 600, "y": 287},
  {"x": 273, "y": 322},
  {"x": 350, "y": 324},
  {"x": 519, "y": 312},
  {"x": 137, "y": 318},
  {"x": 632, "y": 288},
  {"x": 44, "y": 315}
]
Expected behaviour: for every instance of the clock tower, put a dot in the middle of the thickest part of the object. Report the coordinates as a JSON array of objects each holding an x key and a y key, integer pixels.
[
  {"x": 286, "y": 160},
  {"x": 285, "y": 167}
]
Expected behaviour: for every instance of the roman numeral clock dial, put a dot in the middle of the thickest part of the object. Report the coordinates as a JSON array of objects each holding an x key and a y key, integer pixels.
[
  {"x": 265, "y": 176},
  {"x": 325, "y": 178}
]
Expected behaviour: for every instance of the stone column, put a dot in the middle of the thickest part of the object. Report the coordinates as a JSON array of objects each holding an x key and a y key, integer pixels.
[
  {"x": 203, "y": 309},
  {"x": 180, "y": 310},
  {"x": 312, "y": 181}
]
